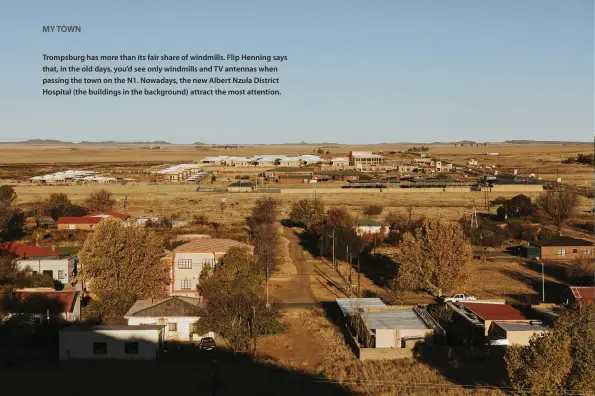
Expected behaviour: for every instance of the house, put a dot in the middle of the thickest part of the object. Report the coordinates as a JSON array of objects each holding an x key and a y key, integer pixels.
[
  {"x": 78, "y": 223},
  {"x": 472, "y": 320},
  {"x": 351, "y": 306},
  {"x": 42, "y": 261},
  {"x": 241, "y": 186},
  {"x": 111, "y": 342},
  {"x": 578, "y": 294},
  {"x": 361, "y": 159},
  {"x": 564, "y": 247},
  {"x": 147, "y": 220},
  {"x": 289, "y": 162},
  {"x": 39, "y": 305},
  {"x": 179, "y": 315},
  {"x": 392, "y": 327},
  {"x": 88, "y": 222},
  {"x": 368, "y": 226},
  {"x": 517, "y": 333},
  {"x": 190, "y": 258}
]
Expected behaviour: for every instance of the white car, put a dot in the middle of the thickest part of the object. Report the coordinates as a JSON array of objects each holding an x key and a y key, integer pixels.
[
  {"x": 498, "y": 342},
  {"x": 460, "y": 297}
]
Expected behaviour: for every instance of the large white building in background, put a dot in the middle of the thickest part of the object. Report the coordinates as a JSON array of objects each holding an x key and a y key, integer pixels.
[
  {"x": 262, "y": 160},
  {"x": 111, "y": 342}
]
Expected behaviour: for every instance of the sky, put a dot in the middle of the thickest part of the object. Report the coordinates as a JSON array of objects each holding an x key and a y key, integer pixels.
[{"x": 357, "y": 71}]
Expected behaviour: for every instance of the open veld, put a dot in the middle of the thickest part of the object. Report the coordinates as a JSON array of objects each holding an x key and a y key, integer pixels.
[{"x": 311, "y": 356}]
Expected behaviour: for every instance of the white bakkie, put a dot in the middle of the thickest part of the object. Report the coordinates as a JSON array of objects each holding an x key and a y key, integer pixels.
[{"x": 460, "y": 297}]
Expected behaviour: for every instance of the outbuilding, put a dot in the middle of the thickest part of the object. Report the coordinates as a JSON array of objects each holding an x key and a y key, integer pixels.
[{"x": 111, "y": 342}]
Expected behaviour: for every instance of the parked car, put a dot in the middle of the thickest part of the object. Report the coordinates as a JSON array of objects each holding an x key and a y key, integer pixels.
[
  {"x": 460, "y": 297},
  {"x": 207, "y": 344},
  {"x": 497, "y": 342}
]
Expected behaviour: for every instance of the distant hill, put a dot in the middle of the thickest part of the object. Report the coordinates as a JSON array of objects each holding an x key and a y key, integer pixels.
[
  {"x": 541, "y": 142},
  {"x": 52, "y": 141}
]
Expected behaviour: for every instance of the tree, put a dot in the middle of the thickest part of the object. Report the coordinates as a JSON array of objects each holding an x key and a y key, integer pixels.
[
  {"x": 58, "y": 205},
  {"x": 558, "y": 362},
  {"x": 267, "y": 248},
  {"x": 307, "y": 212},
  {"x": 7, "y": 199},
  {"x": 99, "y": 201},
  {"x": 557, "y": 206},
  {"x": 236, "y": 308},
  {"x": 435, "y": 258},
  {"x": 519, "y": 206},
  {"x": 38, "y": 210},
  {"x": 121, "y": 260},
  {"x": 340, "y": 217},
  {"x": 110, "y": 309},
  {"x": 263, "y": 212},
  {"x": 372, "y": 210}
]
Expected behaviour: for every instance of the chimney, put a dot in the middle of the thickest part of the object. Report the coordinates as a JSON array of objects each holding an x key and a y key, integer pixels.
[{"x": 151, "y": 300}]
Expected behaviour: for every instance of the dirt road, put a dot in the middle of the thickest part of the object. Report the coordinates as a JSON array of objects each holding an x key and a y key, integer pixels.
[{"x": 312, "y": 282}]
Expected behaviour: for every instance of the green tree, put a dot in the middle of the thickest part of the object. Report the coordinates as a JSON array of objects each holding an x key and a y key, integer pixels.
[
  {"x": 122, "y": 260},
  {"x": 435, "y": 258},
  {"x": 558, "y": 362},
  {"x": 307, "y": 212},
  {"x": 58, "y": 205},
  {"x": 7, "y": 207},
  {"x": 264, "y": 212},
  {"x": 99, "y": 201},
  {"x": 519, "y": 206},
  {"x": 236, "y": 308}
]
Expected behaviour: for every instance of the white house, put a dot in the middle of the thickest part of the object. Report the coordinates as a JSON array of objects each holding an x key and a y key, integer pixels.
[
  {"x": 44, "y": 305},
  {"x": 41, "y": 261},
  {"x": 190, "y": 258},
  {"x": 110, "y": 342},
  {"x": 366, "y": 226},
  {"x": 340, "y": 162},
  {"x": 179, "y": 315}
]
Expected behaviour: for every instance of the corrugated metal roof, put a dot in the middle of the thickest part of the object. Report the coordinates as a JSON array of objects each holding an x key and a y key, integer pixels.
[
  {"x": 495, "y": 311},
  {"x": 25, "y": 251},
  {"x": 349, "y": 306},
  {"x": 508, "y": 326},
  {"x": 393, "y": 319},
  {"x": 583, "y": 293},
  {"x": 210, "y": 245},
  {"x": 141, "y": 305}
]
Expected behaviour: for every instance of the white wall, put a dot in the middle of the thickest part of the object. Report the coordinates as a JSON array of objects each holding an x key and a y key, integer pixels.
[
  {"x": 54, "y": 265},
  {"x": 79, "y": 344},
  {"x": 184, "y": 326},
  {"x": 368, "y": 229},
  {"x": 385, "y": 338}
]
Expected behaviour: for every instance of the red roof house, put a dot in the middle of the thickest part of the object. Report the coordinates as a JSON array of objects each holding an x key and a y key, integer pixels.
[
  {"x": 581, "y": 294},
  {"x": 23, "y": 251},
  {"x": 63, "y": 305},
  {"x": 499, "y": 312}
]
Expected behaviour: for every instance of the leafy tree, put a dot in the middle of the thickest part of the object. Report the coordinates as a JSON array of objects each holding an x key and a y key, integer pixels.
[
  {"x": 7, "y": 200},
  {"x": 110, "y": 309},
  {"x": 339, "y": 217},
  {"x": 307, "y": 212},
  {"x": 99, "y": 201},
  {"x": 264, "y": 212},
  {"x": 236, "y": 308},
  {"x": 519, "y": 206},
  {"x": 434, "y": 258},
  {"x": 557, "y": 206},
  {"x": 58, "y": 205},
  {"x": 558, "y": 362},
  {"x": 121, "y": 260},
  {"x": 346, "y": 241}
]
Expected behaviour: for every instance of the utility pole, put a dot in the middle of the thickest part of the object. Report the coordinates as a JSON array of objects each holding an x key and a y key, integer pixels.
[
  {"x": 542, "y": 281},
  {"x": 268, "y": 305},
  {"x": 334, "y": 263},
  {"x": 358, "y": 276}
]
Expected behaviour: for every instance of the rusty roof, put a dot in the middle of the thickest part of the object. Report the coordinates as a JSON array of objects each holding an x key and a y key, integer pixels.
[
  {"x": 41, "y": 302},
  {"x": 210, "y": 245},
  {"x": 583, "y": 293},
  {"x": 79, "y": 220},
  {"x": 495, "y": 311}
]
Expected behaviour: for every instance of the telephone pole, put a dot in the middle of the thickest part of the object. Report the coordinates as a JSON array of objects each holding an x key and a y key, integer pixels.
[
  {"x": 334, "y": 263},
  {"x": 358, "y": 276}
]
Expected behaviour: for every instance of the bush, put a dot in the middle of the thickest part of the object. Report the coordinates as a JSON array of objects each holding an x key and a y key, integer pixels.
[{"x": 372, "y": 210}]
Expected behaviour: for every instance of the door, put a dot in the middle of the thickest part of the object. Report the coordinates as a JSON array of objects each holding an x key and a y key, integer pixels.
[{"x": 49, "y": 273}]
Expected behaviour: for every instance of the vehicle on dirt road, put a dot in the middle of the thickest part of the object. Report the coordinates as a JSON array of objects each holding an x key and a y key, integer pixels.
[{"x": 460, "y": 297}]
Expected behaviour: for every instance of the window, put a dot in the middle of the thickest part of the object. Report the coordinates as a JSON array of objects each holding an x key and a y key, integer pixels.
[
  {"x": 100, "y": 348},
  {"x": 208, "y": 262},
  {"x": 71, "y": 226},
  {"x": 186, "y": 284},
  {"x": 185, "y": 263},
  {"x": 574, "y": 250},
  {"x": 561, "y": 252},
  {"x": 172, "y": 327},
  {"x": 60, "y": 274},
  {"x": 131, "y": 348}
]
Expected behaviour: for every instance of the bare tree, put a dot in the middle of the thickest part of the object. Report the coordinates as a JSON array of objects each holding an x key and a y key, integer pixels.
[
  {"x": 557, "y": 206},
  {"x": 435, "y": 258},
  {"x": 100, "y": 200}
]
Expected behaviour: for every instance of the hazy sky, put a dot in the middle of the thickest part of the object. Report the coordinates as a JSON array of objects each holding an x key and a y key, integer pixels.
[{"x": 358, "y": 71}]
